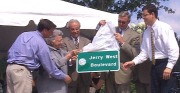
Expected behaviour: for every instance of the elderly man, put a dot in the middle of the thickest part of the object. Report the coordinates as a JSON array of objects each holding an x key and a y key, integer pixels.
[
  {"x": 129, "y": 40},
  {"x": 81, "y": 82}
]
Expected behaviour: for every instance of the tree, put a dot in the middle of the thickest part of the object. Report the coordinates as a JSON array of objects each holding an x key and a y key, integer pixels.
[
  {"x": 96, "y": 4},
  {"x": 115, "y": 6}
]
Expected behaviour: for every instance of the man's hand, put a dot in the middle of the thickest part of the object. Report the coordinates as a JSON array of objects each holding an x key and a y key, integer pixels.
[
  {"x": 102, "y": 22},
  {"x": 128, "y": 64},
  {"x": 73, "y": 54},
  {"x": 76, "y": 52},
  {"x": 67, "y": 79},
  {"x": 119, "y": 38},
  {"x": 73, "y": 58},
  {"x": 167, "y": 73},
  {"x": 33, "y": 83}
]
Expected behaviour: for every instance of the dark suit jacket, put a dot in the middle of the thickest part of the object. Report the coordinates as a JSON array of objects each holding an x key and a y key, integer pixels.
[
  {"x": 142, "y": 71},
  {"x": 84, "y": 78}
]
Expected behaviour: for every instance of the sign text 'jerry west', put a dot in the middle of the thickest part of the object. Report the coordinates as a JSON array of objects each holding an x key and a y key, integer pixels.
[{"x": 100, "y": 61}]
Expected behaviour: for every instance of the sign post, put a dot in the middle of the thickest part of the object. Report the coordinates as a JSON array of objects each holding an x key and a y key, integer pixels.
[{"x": 101, "y": 61}]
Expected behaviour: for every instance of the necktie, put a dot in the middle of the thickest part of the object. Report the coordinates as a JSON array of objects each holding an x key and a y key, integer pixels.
[
  {"x": 76, "y": 43},
  {"x": 152, "y": 47},
  {"x": 120, "y": 31}
]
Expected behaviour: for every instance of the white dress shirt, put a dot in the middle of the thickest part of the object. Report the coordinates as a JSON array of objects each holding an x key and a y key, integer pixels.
[
  {"x": 122, "y": 31},
  {"x": 75, "y": 40},
  {"x": 165, "y": 44}
]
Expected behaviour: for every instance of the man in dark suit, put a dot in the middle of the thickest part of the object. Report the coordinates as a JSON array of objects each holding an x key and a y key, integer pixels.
[
  {"x": 129, "y": 40},
  {"x": 142, "y": 77},
  {"x": 81, "y": 82}
]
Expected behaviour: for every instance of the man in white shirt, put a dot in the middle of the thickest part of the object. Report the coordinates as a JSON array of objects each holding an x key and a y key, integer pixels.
[{"x": 166, "y": 51}]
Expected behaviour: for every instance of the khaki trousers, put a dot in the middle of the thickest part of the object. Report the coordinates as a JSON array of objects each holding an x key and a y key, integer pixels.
[{"x": 19, "y": 79}]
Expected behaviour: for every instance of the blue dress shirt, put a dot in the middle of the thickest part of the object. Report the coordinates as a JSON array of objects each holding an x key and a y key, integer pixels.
[{"x": 31, "y": 50}]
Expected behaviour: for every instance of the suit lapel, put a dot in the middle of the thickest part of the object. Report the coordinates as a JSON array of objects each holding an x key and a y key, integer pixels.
[
  {"x": 71, "y": 43},
  {"x": 127, "y": 34},
  {"x": 81, "y": 42}
]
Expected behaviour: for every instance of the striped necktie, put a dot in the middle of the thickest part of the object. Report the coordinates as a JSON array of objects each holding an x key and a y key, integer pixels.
[
  {"x": 152, "y": 47},
  {"x": 76, "y": 43}
]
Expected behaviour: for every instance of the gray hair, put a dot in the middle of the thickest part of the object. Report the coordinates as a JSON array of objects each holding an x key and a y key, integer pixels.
[
  {"x": 56, "y": 32},
  {"x": 125, "y": 13},
  {"x": 72, "y": 21}
]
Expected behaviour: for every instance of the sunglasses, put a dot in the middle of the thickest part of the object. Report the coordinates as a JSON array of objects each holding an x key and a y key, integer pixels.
[{"x": 122, "y": 22}]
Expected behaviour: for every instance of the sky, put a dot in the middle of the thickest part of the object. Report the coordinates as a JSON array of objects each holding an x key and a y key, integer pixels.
[{"x": 172, "y": 19}]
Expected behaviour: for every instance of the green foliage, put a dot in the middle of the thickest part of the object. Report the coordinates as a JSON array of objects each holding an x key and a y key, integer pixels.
[
  {"x": 133, "y": 88},
  {"x": 102, "y": 90},
  {"x": 115, "y": 6},
  {"x": 96, "y": 4}
]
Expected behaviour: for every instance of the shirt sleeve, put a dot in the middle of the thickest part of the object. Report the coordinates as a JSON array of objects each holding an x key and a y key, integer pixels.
[
  {"x": 171, "y": 46},
  {"x": 48, "y": 64},
  {"x": 143, "y": 56}
]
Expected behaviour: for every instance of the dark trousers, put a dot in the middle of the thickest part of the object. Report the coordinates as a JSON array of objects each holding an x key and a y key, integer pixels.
[
  {"x": 143, "y": 88},
  {"x": 159, "y": 85}
]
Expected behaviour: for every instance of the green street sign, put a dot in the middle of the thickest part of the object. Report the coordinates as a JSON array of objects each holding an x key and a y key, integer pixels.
[{"x": 101, "y": 61}]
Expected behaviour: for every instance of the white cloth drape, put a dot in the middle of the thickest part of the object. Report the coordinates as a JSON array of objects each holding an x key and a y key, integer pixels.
[{"x": 103, "y": 40}]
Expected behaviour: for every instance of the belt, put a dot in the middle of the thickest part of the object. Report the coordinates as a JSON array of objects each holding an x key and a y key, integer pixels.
[
  {"x": 159, "y": 61},
  {"x": 18, "y": 64},
  {"x": 24, "y": 66}
]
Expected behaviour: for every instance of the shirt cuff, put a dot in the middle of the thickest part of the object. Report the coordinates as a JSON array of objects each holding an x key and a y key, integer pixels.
[
  {"x": 122, "y": 44},
  {"x": 135, "y": 61},
  {"x": 170, "y": 65},
  {"x": 63, "y": 76}
]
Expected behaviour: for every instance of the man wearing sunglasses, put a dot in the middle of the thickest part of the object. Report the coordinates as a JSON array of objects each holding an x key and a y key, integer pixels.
[{"x": 129, "y": 40}]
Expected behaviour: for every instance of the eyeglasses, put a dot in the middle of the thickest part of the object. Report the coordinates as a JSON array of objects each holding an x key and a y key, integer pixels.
[
  {"x": 144, "y": 15},
  {"x": 122, "y": 22}
]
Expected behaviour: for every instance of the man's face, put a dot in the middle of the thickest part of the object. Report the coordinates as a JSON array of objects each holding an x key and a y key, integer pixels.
[
  {"x": 47, "y": 33},
  {"x": 123, "y": 22},
  {"x": 148, "y": 18},
  {"x": 74, "y": 28}
]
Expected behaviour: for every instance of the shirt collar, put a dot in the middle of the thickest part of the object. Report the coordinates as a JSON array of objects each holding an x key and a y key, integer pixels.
[
  {"x": 123, "y": 29},
  {"x": 52, "y": 48},
  {"x": 39, "y": 33},
  {"x": 74, "y": 38},
  {"x": 155, "y": 24}
]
